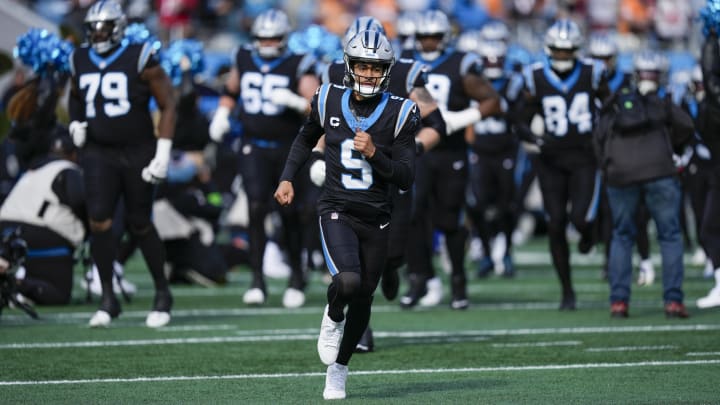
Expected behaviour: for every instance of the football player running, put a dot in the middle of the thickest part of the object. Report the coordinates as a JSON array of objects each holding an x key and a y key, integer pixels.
[
  {"x": 454, "y": 79},
  {"x": 494, "y": 150},
  {"x": 407, "y": 79},
  {"x": 564, "y": 92},
  {"x": 369, "y": 145},
  {"x": 272, "y": 87}
]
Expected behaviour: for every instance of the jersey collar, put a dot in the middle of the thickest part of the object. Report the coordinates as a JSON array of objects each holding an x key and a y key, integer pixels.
[
  {"x": 365, "y": 123},
  {"x": 101, "y": 62},
  {"x": 561, "y": 85}
]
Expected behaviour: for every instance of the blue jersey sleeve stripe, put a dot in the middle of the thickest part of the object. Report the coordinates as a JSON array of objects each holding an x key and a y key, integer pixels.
[
  {"x": 529, "y": 79},
  {"x": 415, "y": 71},
  {"x": 305, "y": 65},
  {"x": 403, "y": 116},
  {"x": 71, "y": 60},
  {"x": 144, "y": 56},
  {"x": 467, "y": 62},
  {"x": 322, "y": 102}
]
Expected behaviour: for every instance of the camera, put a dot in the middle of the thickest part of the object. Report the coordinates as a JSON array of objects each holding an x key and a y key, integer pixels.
[{"x": 13, "y": 250}]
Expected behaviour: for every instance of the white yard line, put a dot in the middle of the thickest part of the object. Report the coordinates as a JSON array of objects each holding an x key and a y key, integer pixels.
[
  {"x": 310, "y": 334},
  {"x": 629, "y": 348},
  {"x": 196, "y": 328},
  {"x": 703, "y": 354},
  {"x": 373, "y": 372},
  {"x": 537, "y": 344}
]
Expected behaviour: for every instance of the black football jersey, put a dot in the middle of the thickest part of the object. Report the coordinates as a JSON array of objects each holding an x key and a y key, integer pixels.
[
  {"x": 445, "y": 84},
  {"x": 261, "y": 118},
  {"x": 618, "y": 80},
  {"x": 352, "y": 185},
  {"x": 568, "y": 106},
  {"x": 493, "y": 134},
  {"x": 115, "y": 96},
  {"x": 404, "y": 76}
]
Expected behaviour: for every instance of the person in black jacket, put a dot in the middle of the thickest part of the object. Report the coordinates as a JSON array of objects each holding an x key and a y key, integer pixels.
[
  {"x": 709, "y": 129},
  {"x": 635, "y": 142}
]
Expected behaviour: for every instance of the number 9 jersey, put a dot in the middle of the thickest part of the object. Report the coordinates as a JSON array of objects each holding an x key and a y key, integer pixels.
[{"x": 114, "y": 96}]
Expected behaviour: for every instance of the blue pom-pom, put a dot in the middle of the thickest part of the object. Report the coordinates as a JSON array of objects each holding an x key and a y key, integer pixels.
[
  {"x": 43, "y": 51},
  {"x": 174, "y": 54},
  {"x": 710, "y": 16},
  {"x": 317, "y": 40},
  {"x": 137, "y": 33}
]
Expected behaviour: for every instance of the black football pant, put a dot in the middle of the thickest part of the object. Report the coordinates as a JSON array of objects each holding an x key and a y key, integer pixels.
[
  {"x": 493, "y": 187},
  {"x": 562, "y": 184},
  {"x": 355, "y": 253}
]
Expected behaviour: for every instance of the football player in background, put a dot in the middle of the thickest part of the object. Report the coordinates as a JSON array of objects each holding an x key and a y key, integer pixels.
[
  {"x": 111, "y": 85},
  {"x": 563, "y": 91},
  {"x": 272, "y": 87}
]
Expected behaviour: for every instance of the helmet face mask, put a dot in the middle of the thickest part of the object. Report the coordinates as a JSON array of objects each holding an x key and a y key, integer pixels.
[
  {"x": 650, "y": 69},
  {"x": 270, "y": 33},
  {"x": 493, "y": 55},
  {"x": 368, "y": 59},
  {"x": 104, "y": 25}
]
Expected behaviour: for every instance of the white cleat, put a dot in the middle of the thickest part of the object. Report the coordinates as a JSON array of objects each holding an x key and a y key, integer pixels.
[
  {"x": 157, "y": 319},
  {"x": 100, "y": 319},
  {"x": 698, "y": 258},
  {"x": 335, "y": 381},
  {"x": 119, "y": 282},
  {"x": 328, "y": 345},
  {"x": 254, "y": 296},
  {"x": 646, "y": 276},
  {"x": 293, "y": 298},
  {"x": 434, "y": 294},
  {"x": 713, "y": 297},
  {"x": 274, "y": 265}
]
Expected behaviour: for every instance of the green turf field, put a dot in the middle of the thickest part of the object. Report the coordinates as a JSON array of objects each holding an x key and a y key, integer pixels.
[{"x": 511, "y": 346}]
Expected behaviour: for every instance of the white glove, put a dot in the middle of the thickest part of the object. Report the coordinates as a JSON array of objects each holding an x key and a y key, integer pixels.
[
  {"x": 537, "y": 126},
  {"x": 317, "y": 172},
  {"x": 456, "y": 120},
  {"x": 78, "y": 132},
  {"x": 220, "y": 124},
  {"x": 702, "y": 152},
  {"x": 156, "y": 171},
  {"x": 530, "y": 148},
  {"x": 283, "y": 96}
]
